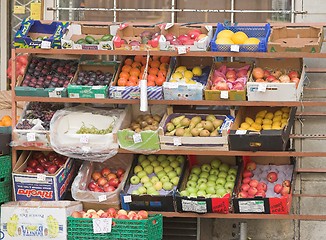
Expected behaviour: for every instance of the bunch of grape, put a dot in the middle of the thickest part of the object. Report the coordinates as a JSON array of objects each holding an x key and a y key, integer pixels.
[
  {"x": 25, "y": 125},
  {"x": 93, "y": 130}
]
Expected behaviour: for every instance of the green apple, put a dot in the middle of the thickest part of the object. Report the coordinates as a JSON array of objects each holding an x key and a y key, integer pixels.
[
  {"x": 142, "y": 190},
  {"x": 211, "y": 178},
  {"x": 178, "y": 170},
  {"x": 210, "y": 184},
  {"x": 220, "y": 192},
  {"x": 161, "y": 174},
  {"x": 171, "y": 158},
  {"x": 135, "y": 192},
  {"x": 202, "y": 186},
  {"x": 154, "y": 179},
  {"x": 144, "y": 179},
  {"x": 161, "y": 158},
  {"x": 201, "y": 193},
  {"x": 151, "y": 158},
  {"x": 193, "y": 177},
  {"x": 205, "y": 168},
  {"x": 218, "y": 187},
  {"x": 204, "y": 175},
  {"x": 134, "y": 180},
  {"x": 196, "y": 170},
  {"x": 181, "y": 159},
  {"x": 216, "y": 163},
  {"x": 229, "y": 190},
  {"x": 158, "y": 169},
  {"x": 214, "y": 196},
  {"x": 175, "y": 181},
  {"x": 201, "y": 180},
  {"x": 208, "y": 195},
  {"x": 220, "y": 181},
  {"x": 230, "y": 178},
  {"x": 151, "y": 190},
  {"x": 191, "y": 184},
  {"x": 141, "y": 174},
  {"x": 172, "y": 174},
  {"x": 147, "y": 185},
  {"x": 184, "y": 193},
  {"x": 232, "y": 171},
  {"x": 155, "y": 163},
  {"x": 229, "y": 185},
  {"x": 174, "y": 164},
  {"x": 164, "y": 179},
  {"x": 141, "y": 158},
  {"x": 167, "y": 186},
  {"x": 224, "y": 167},
  {"x": 191, "y": 189},
  {"x": 165, "y": 163},
  {"x": 137, "y": 169},
  {"x": 168, "y": 169},
  {"x": 210, "y": 190},
  {"x": 214, "y": 172},
  {"x": 145, "y": 163},
  {"x": 158, "y": 186},
  {"x": 193, "y": 195},
  {"x": 149, "y": 169},
  {"x": 222, "y": 175}
]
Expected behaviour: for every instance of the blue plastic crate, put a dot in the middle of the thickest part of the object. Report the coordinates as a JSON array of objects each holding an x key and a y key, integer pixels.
[{"x": 260, "y": 32}]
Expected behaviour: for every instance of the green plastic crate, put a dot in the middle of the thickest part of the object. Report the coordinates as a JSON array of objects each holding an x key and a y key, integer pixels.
[
  {"x": 5, "y": 169},
  {"x": 149, "y": 229},
  {"x": 5, "y": 192}
]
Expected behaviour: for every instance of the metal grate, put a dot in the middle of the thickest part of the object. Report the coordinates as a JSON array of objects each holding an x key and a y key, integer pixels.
[{"x": 180, "y": 229}]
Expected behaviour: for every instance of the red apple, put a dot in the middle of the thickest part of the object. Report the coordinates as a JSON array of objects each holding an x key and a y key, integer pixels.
[
  {"x": 39, "y": 169},
  {"x": 96, "y": 176},
  {"x": 32, "y": 163},
  {"x": 122, "y": 212},
  {"x": 296, "y": 81},
  {"x": 278, "y": 188},
  {"x": 247, "y": 173},
  {"x": 51, "y": 156},
  {"x": 52, "y": 169},
  {"x": 114, "y": 182},
  {"x": 108, "y": 188},
  {"x": 29, "y": 170},
  {"x": 266, "y": 73},
  {"x": 120, "y": 172},
  {"x": 92, "y": 186},
  {"x": 131, "y": 213},
  {"x": 104, "y": 215},
  {"x": 285, "y": 191},
  {"x": 286, "y": 183},
  {"x": 143, "y": 214},
  {"x": 110, "y": 176},
  {"x": 270, "y": 78},
  {"x": 293, "y": 74},
  {"x": 246, "y": 180},
  {"x": 251, "y": 166},
  {"x": 105, "y": 171},
  {"x": 101, "y": 181},
  {"x": 98, "y": 189},
  {"x": 253, "y": 183},
  {"x": 38, "y": 155},
  {"x": 252, "y": 191},
  {"x": 260, "y": 194},
  {"x": 242, "y": 194},
  {"x": 245, "y": 187},
  {"x": 272, "y": 177},
  {"x": 112, "y": 212},
  {"x": 262, "y": 186},
  {"x": 122, "y": 217}
]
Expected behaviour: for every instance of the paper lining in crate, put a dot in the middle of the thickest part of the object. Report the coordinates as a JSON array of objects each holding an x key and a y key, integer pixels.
[{"x": 219, "y": 142}]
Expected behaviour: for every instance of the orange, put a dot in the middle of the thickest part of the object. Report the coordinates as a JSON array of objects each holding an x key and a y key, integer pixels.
[
  {"x": 122, "y": 82},
  {"x": 6, "y": 117},
  {"x": 131, "y": 84},
  {"x": 7, "y": 122},
  {"x": 165, "y": 59},
  {"x": 138, "y": 58},
  {"x": 136, "y": 65},
  {"x": 151, "y": 78},
  {"x": 153, "y": 71},
  {"x": 128, "y": 61},
  {"x": 150, "y": 83},
  {"x": 133, "y": 78},
  {"x": 135, "y": 72},
  {"x": 126, "y": 68},
  {"x": 159, "y": 81},
  {"x": 161, "y": 74},
  {"x": 155, "y": 64},
  {"x": 1, "y": 123},
  {"x": 164, "y": 66},
  {"x": 156, "y": 58},
  {"x": 124, "y": 75}
]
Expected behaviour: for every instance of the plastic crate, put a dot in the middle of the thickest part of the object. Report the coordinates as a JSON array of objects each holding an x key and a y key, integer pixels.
[
  {"x": 149, "y": 229},
  {"x": 5, "y": 170},
  {"x": 260, "y": 32},
  {"x": 5, "y": 192}
]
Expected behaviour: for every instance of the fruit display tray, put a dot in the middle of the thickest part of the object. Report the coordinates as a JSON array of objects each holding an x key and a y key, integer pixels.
[
  {"x": 148, "y": 229},
  {"x": 260, "y": 32},
  {"x": 274, "y": 204},
  {"x": 265, "y": 140},
  {"x": 233, "y": 95}
]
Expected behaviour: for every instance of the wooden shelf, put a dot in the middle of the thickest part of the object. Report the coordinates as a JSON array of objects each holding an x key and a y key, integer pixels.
[{"x": 173, "y": 53}]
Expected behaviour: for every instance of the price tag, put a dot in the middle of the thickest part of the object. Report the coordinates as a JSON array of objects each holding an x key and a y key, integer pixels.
[
  {"x": 262, "y": 87},
  {"x": 30, "y": 137},
  {"x": 127, "y": 199},
  {"x": 45, "y": 44},
  {"x": 177, "y": 141},
  {"x": 235, "y": 48},
  {"x": 241, "y": 132},
  {"x": 137, "y": 138},
  {"x": 168, "y": 25},
  {"x": 224, "y": 94},
  {"x": 182, "y": 50},
  {"x": 84, "y": 139},
  {"x": 102, "y": 225},
  {"x": 41, "y": 177},
  {"x": 102, "y": 198}
]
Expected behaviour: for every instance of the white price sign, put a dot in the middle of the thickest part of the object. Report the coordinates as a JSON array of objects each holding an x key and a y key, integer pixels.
[
  {"x": 84, "y": 139},
  {"x": 45, "y": 44},
  {"x": 241, "y": 132},
  {"x": 30, "y": 137},
  {"x": 127, "y": 199},
  {"x": 224, "y": 94},
  {"x": 137, "y": 138},
  {"x": 102, "y": 225},
  {"x": 177, "y": 141},
  {"x": 262, "y": 87},
  {"x": 182, "y": 50},
  {"x": 102, "y": 198},
  {"x": 41, "y": 177},
  {"x": 235, "y": 48}
]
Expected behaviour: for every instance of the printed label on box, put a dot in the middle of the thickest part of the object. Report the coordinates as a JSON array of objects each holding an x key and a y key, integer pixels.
[
  {"x": 251, "y": 206},
  {"x": 137, "y": 138},
  {"x": 194, "y": 206}
]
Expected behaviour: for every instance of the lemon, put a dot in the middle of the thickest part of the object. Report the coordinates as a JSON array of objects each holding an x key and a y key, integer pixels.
[
  {"x": 181, "y": 69},
  {"x": 253, "y": 129},
  {"x": 285, "y": 115},
  {"x": 191, "y": 82},
  {"x": 197, "y": 71},
  {"x": 173, "y": 80},
  {"x": 256, "y": 126},
  {"x": 277, "y": 118},
  {"x": 261, "y": 114},
  {"x": 285, "y": 109},
  {"x": 276, "y": 124},
  {"x": 239, "y": 37},
  {"x": 267, "y": 127},
  {"x": 224, "y": 41},
  {"x": 283, "y": 125},
  {"x": 176, "y": 76},
  {"x": 284, "y": 120},
  {"x": 269, "y": 115},
  {"x": 278, "y": 113},
  {"x": 259, "y": 120},
  {"x": 225, "y": 34},
  {"x": 249, "y": 120},
  {"x": 276, "y": 127},
  {"x": 188, "y": 74},
  {"x": 244, "y": 125},
  {"x": 252, "y": 41},
  {"x": 267, "y": 121}
]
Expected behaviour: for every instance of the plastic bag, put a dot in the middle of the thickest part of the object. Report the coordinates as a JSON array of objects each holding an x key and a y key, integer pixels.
[
  {"x": 86, "y": 133},
  {"x": 79, "y": 188}
]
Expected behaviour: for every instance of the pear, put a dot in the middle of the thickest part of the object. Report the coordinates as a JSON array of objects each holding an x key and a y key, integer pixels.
[
  {"x": 204, "y": 133},
  {"x": 169, "y": 127},
  {"x": 170, "y": 133},
  {"x": 209, "y": 126},
  {"x": 199, "y": 125},
  {"x": 156, "y": 117},
  {"x": 195, "y": 132},
  {"x": 214, "y": 133},
  {"x": 210, "y": 118},
  {"x": 187, "y": 133},
  {"x": 217, "y": 123},
  {"x": 179, "y": 132},
  {"x": 176, "y": 121},
  {"x": 194, "y": 121},
  {"x": 185, "y": 122}
]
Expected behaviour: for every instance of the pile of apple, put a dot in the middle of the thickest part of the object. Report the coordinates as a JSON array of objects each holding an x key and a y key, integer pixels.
[
  {"x": 111, "y": 213},
  {"x": 154, "y": 175},
  {"x": 265, "y": 181},
  {"x": 190, "y": 38},
  {"x": 106, "y": 180},
  {"x": 39, "y": 162},
  {"x": 225, "y": 78},
  {"x": 212, "y": 180},
  {"x": 275, "y": 76}
]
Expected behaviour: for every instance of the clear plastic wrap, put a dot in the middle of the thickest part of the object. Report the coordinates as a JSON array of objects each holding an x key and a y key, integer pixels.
[
  {"x": 79, "y": 186},
  {"x": 86, "y": 133}
]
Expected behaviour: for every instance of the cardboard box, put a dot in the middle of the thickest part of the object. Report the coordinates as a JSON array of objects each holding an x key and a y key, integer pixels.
[
  {"x": 233, "y": 95},
  {"x": 77, "y": 31},
  {"x": 272, "y": 203},
  {"x": 183, "y": 91},
  {"x": 178, "y": 29},
  {"x": 296, "y": 39},
  {"x": 33, "y": 186},
  {"x": 183, "y": 143},
  {"x": 129, "y": 33},
  {"x": 202, "y": 204},
  {"x": 36, "y": 220},
  {"x": 277, "y": 91},
  {"x": 38, "y": 34},
  {"x": 84, "y": 91},
  {"x": 163, "y": 202},
  {"x": 265, "y": 140}
]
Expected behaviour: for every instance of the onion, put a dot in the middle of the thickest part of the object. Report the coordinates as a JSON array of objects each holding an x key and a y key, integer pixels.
[
  {"x": 183, "y": 38},
  {"x": 284, "y": 78},
  {"x": 258, "y": 73},
  {"x": 222, "y": 69},
  {"x": 242, "y": 73},
  {"x": 134, "y": 43},
  {"x": 242, "y": 80},
  {"x": 218, "y": 74},
  {"x": 238, "y": 86}
]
